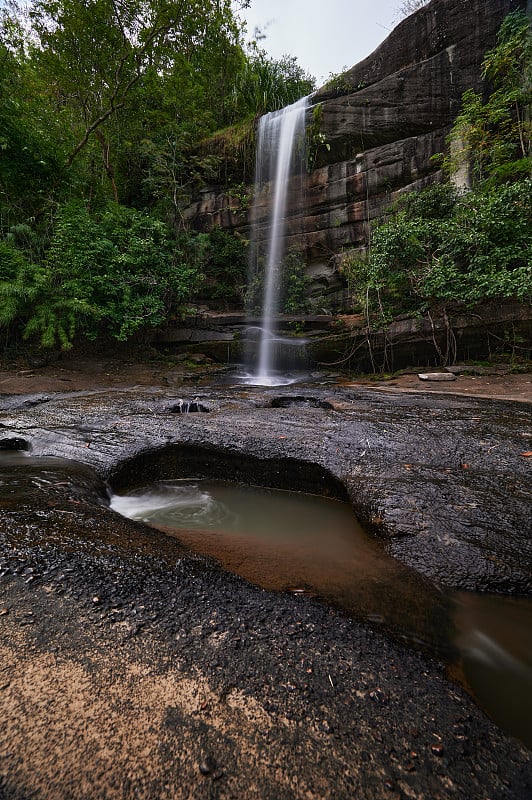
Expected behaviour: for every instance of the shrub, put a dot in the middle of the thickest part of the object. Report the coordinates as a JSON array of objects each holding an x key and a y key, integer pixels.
[
  {"x": 223, "y": 261},
  {"x": 116, "y": 272},
  {"x": 476, "y": 248}
]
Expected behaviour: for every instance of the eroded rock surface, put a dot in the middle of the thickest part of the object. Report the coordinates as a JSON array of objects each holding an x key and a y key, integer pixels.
[
  {"x": 129, "y": 664},
  {"x": 444, "y": 475}
]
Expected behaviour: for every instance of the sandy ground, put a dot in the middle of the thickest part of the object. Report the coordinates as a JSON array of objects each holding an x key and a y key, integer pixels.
[{"x": 70, "y": 375}]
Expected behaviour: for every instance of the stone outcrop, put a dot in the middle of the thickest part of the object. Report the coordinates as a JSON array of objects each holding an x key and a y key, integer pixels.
[
  {"x": 438, "y": 338},
  {"x": 383, "y": 121}
]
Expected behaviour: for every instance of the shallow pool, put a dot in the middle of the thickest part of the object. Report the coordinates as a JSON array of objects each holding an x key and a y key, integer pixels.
[{"x": 290, "y": 541}]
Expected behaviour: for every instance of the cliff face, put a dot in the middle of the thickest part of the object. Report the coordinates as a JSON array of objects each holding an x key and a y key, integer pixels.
[{"x": 383, "y": 120}]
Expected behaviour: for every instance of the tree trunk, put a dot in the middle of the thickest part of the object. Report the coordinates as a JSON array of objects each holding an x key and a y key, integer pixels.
[{"x": 107, "y": 161}]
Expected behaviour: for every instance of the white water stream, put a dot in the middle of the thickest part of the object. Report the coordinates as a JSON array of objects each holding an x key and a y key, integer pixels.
[{"x": 280, "y": 154}]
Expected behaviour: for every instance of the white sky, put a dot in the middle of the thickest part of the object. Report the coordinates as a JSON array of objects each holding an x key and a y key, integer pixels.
[{"x": 327, "y": 36}]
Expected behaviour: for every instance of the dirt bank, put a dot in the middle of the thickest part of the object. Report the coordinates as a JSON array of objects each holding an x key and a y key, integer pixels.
[{"x": 70, "y": 374}]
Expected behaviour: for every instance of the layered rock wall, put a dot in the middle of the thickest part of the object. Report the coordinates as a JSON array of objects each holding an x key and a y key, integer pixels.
[{"x": 382, "y": 121}]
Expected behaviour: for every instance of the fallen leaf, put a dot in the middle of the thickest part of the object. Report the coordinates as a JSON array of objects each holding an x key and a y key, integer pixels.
[{"x": 527, "y": 453}]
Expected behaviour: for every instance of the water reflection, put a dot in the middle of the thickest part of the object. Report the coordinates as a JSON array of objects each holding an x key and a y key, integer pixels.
[{"x": 494, "y": 639}]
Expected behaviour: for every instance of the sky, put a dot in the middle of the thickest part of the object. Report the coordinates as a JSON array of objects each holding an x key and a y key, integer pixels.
[{"x": 327, "y": 36}]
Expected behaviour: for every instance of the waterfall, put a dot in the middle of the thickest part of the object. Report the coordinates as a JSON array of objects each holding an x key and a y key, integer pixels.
[{"x": 280, "y": 156}]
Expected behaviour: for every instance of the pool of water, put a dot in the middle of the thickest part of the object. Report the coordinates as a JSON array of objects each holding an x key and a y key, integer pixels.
[{"x": 289, "y": 541}]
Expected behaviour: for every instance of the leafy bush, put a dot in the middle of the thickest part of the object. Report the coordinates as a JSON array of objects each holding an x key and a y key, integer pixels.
[
  {"x": 117, "y": 272},
  {"x": 435, "y": 248},
  {"x": 291, "y": 285},
  {"x": 294, "y": 284},
  {"x": 486, "y": 251},
  {"x": 222, "y": 258}
]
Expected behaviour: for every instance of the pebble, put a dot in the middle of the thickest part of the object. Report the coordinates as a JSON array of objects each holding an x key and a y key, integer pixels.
[{"x": 207, "y": 766}]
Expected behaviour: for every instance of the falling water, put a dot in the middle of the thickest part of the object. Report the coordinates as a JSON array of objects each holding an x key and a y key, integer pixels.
[{"x": 280, "y": 154}]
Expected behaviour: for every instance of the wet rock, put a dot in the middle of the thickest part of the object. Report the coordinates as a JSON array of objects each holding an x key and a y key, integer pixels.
[{"x": 397, "y": 458}]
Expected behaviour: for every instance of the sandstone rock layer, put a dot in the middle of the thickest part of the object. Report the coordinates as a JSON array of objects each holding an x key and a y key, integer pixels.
[{"x": 383, "y": 121}]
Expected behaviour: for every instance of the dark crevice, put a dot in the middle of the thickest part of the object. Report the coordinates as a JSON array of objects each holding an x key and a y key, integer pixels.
[{"x": 183, "y": 461}]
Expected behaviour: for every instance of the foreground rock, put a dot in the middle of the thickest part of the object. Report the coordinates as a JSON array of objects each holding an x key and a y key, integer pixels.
[
  {"x": 444, "y": 476},
  {"x": 132, "y": 668}
]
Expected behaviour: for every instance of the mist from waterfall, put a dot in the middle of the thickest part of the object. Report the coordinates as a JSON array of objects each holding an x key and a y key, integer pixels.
[{"x": 280, "y": 159}]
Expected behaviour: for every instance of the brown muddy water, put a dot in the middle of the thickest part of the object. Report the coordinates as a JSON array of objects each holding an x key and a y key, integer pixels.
[{"x": 289, "y": 541}]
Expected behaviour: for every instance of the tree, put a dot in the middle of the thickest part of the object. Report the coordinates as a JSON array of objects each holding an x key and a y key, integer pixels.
[
  {"x": 408, "y": 7},
  {"x": 115, "y": 272},
  {"x": 94, "y": 53},
  {"x": 30, "y": 153}
]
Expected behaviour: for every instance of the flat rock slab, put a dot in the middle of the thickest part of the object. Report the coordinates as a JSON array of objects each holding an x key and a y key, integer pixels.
[{"x": 436, "y": 376}]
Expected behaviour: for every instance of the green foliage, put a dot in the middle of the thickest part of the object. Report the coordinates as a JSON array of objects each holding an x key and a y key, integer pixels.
[
  {"x": 437, "y": 202},
  {"x": 222, "y": 258},
  {"x": 316, "y": 139},
  {"x": 509, "y": 64},
  {"x": 440, "y": 246},
  {"x": 266, "y": 84},
  {"x": 106, "y": 99},
  {"x": 294, "y": 284},
  {"x": 487, "y": 250},
  {"x": 29, "y": 151},
  {"x": 227, "y": 158},
  {"x": 116, "y": 271},
  {"x": 15, "y": 290},
  {"x": 488, "y": 137},
  {"x": 339, "y": 84},
  {"x": 493, "y": 137}
]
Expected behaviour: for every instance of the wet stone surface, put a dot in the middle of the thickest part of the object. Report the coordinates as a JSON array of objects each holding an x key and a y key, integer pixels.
[
  {"x": 126, "y": 673},
  {"x": 133, "y": 668},
  {"x": 441, "y": 480}
]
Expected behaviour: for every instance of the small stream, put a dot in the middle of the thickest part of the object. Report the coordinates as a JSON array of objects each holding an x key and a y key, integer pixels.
[{"x": 305, "y": 544}]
